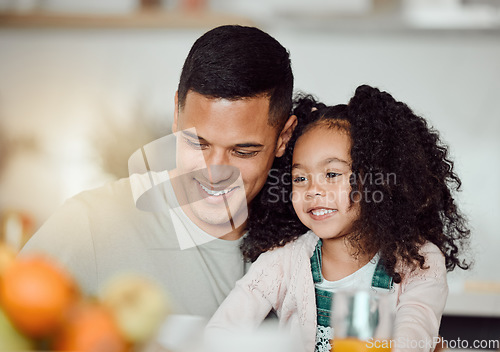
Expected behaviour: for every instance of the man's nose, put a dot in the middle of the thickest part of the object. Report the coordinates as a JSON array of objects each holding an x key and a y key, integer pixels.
[
  {"x": 222, "y": 175},
  {"x": 218, "y": 168}
]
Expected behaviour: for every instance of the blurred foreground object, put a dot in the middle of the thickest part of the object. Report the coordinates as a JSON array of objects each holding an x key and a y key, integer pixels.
[
  {"x": 182, "y": 333},
  {"x": 36, "y": 294},
  {"x": 16, "y": 228},
  {"x": 363, "y": 321},
  {"x": 138, "y": 305},
  {"x": 269, "y": 337},
  {"x": 90, "y": 328},
  {"x": 41, "y": 308},
  {"x": 7, "y": 257},
  {"x": 10, "y": 338}
]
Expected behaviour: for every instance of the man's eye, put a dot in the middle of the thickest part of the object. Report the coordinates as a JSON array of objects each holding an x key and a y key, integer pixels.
[
  {"x": 244, "y": 154},
  {"x": 332, "y": 174},
  {"x": 195, "y": 145},
  {"x": 299, "y": 179}
]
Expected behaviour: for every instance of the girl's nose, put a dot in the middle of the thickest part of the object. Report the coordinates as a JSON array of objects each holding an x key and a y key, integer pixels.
[{"x": 316, "y": 188}]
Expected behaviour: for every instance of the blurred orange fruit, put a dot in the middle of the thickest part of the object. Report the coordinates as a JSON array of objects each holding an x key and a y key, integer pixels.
[
  {"x": 90, "y": 328},
  {"x": 36, "y": 294}
]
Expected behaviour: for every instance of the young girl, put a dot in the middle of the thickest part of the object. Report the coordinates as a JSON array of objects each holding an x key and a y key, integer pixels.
[{"x": 361, "y": 199}]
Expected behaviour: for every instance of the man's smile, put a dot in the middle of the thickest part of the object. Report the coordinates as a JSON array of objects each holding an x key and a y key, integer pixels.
[{"x": 216, "y": 192}]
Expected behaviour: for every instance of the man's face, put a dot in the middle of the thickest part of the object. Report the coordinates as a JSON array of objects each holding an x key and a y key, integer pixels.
[{"x": 238, "y": 147}]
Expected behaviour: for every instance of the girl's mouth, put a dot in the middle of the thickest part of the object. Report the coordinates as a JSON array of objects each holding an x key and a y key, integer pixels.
[{"x": 321, "y": 213}]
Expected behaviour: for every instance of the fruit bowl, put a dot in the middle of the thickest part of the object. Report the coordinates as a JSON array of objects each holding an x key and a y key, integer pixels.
[{"x": 42, "y": 308}]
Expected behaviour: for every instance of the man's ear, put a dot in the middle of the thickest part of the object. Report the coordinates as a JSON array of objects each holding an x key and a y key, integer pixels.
[
  {"x": 176, "y": 112},
  {"x": 285, "y": 135}
]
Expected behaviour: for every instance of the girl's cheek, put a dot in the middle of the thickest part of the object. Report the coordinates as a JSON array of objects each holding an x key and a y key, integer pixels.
[{"x": 295, "y": 198}]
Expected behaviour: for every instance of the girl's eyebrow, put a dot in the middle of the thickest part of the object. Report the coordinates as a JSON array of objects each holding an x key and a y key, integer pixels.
[
  {"x": 332, "y": 160},
  {"x": 323, "y": 163}
]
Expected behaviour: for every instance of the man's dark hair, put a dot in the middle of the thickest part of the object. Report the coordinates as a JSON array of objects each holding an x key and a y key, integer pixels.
[{"x": 234, "y": 62}]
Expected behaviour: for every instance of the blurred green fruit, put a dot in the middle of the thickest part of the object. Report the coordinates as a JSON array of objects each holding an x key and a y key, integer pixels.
[
  {"x": 138, "y": 305},
  {"x": 10, "y": 338}
]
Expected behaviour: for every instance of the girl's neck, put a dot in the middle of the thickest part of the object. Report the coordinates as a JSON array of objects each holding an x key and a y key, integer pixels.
[{"x": 339, "y": 259}]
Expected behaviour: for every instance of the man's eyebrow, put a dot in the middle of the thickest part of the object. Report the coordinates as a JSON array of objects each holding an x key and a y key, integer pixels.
[
  {"x": 296, "y": 166},
  {"x": 249, "y": 145},
  {"x": 239, "y": 145},
  {"x": 192, "y": 135}
]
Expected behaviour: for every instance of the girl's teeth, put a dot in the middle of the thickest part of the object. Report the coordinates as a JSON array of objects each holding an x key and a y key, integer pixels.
[
  {"x": 322, "y": 212},
  {"x": 215, "y": 193}
]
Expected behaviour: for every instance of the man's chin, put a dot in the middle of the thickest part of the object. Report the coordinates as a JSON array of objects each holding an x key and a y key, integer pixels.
[{"x": 218, "y": 223}]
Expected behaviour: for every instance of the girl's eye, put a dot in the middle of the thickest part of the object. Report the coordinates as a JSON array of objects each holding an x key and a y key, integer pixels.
[
  {"x": 299, "y": 179},
  {"x": 332, "y": 174}
]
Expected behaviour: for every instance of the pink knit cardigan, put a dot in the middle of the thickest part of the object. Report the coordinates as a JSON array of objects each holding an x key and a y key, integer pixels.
[{"x": 281, "y": 280}]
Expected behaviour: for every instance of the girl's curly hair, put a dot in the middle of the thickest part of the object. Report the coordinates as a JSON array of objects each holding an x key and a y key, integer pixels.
[{"x": 399, "y": 166}]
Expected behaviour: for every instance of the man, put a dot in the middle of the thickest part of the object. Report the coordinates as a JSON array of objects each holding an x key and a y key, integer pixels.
[{"x": 233, "y": 106}]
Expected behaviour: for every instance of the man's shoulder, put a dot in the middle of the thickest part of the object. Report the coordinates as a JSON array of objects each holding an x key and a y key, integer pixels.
[
  {"x": 106, "y": 205},
  {"x": 91, "y": 209},
  {"x": 117, "y": 191}
]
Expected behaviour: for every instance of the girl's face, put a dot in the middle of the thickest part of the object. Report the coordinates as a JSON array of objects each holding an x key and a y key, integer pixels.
[{"x": 321, "y": 169}]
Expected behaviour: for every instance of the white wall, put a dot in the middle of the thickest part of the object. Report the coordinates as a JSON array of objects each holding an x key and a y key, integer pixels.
[{"x": 57, "y": 84}]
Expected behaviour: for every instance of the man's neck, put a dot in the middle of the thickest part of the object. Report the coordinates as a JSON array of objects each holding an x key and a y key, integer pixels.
[{"x": 236, "y": 234}]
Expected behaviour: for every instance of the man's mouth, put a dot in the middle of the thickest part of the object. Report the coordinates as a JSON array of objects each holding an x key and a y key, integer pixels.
[{"x": 216, "y": 193}]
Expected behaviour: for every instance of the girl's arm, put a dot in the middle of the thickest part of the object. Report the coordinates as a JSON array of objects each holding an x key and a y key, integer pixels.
[{"x": 421, "y": 304}]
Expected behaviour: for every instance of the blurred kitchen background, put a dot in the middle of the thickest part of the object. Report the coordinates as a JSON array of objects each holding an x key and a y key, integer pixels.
[{"x": 83, "y": 84}]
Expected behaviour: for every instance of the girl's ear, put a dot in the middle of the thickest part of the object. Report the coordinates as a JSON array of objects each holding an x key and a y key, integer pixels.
[{"x": 285, "y": 135}]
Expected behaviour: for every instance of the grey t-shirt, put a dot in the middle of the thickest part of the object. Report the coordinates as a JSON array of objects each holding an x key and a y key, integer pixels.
[{"x": 100, "y": 233}]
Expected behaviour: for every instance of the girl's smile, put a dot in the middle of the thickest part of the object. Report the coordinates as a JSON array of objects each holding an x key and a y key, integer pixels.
[{"x": 321, "y": 213}]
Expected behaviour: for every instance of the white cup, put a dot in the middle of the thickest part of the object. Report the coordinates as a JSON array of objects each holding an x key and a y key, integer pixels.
[{"x": 181, "y": 332}]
